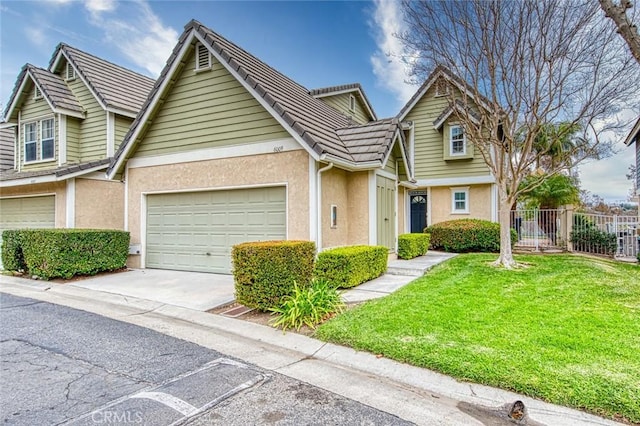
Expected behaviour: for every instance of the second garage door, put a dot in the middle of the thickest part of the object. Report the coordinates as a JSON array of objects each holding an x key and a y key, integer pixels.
[{"x": 195, "y": 231}]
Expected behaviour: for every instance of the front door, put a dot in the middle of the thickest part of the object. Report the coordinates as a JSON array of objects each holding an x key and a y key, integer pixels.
[
  {"x": 418, "y": 212},
  {"x": 386, "y": 212}
]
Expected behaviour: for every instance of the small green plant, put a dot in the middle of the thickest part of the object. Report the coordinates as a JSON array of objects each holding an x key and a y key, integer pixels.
[{"x": 307, "y": 306}]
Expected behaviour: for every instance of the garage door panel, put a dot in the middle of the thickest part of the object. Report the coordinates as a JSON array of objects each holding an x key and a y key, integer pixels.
[{"x": 195, "y": 231}]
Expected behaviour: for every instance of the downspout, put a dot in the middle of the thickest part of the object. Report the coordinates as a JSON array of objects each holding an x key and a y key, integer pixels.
[{"x": 319, "y": 195}]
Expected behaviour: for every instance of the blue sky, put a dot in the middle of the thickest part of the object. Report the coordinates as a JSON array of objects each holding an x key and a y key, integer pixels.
[{"x": 316, "y": 43}]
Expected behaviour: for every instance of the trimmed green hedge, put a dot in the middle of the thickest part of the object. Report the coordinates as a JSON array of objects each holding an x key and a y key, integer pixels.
[
  {"x": 467, "y": 235},
  {"x": 265, "y": 272},
  {"x": 64, "y": 253},
  {"x": 346, "y": 267},
  {"x": 12, "y": 257},
  {"x": 412, "y": 245}
]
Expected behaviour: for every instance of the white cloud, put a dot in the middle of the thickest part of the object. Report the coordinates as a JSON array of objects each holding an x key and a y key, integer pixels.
[
  {"x": 137, "y": 32},
  {"x": 391, "y": 62},
  {"x": 99, "y": 6},
  {"x": 37, "y": 36}
]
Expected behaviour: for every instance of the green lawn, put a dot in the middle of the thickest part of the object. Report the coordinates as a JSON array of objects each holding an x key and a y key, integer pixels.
[{"x": 565, "y": 329}]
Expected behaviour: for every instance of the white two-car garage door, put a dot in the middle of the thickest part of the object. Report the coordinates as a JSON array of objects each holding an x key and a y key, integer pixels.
[{"x": 194, "y": 231}]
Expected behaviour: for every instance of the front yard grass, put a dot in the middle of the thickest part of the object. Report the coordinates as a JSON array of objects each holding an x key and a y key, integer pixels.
[{"x": 565, "y": 329}]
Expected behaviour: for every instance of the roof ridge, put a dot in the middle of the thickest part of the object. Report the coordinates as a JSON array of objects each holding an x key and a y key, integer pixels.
[{"x": 66, "y": 47}]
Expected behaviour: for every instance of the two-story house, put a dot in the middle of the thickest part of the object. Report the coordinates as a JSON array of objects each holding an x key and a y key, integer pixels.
[
  {"x": 61, "y": 126},
  {"x": 452, "y": 179},
  {"x": 227, "y": 149}
]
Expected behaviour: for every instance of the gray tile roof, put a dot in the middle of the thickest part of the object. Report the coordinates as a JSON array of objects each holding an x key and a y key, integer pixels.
[
  {"x": 315, "y": 122},
  {"x": 449, "y": 110},
  {"x": 60, "y": 172},
  {"x": 440, "y": 71},
  {"x": 371, "y": 141},
  {"x": 115, "y": 86},
  {"x": 6, "y": 148},
  {"x": 353, "y": 87},
  {"x": 55, "y": 89}
]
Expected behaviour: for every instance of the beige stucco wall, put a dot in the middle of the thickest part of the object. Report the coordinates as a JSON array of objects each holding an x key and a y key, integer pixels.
[
  {"x": 334, "y": 192},
  {"x": 479, "y": 203},
  {"x": 59, "y": 189},
  {"x": 99, "y": 204},
  {"x": 349, "y": 192},
  {"x": 290, "y": 168},
  {"x": 358, "y": 207}
]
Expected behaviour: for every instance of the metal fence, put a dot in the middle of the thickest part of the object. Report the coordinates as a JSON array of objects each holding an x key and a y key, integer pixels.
[{"x": 564, "y": 229}]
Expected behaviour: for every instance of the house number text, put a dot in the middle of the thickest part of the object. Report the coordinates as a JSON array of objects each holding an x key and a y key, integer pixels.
[{"x": 278, "y": 148}]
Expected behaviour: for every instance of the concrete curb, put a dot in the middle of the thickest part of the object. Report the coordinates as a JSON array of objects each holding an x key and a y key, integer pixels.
[{"x": 431, "y": 398}]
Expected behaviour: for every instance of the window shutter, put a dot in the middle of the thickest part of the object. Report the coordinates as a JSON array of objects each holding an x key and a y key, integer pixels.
[{"x": 203, "y": 57}]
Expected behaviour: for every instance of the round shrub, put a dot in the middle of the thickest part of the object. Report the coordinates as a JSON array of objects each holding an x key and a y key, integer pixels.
[
  {"x": 467, "y": 235},
  {"x": 265, "y": 272}
]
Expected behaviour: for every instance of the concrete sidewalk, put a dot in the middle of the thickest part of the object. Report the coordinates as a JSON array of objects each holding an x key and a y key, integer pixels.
[{"x": 414, "y": 394}]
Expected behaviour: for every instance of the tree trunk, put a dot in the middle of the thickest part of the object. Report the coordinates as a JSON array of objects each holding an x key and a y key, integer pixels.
[{"x": 506, "y": 255}]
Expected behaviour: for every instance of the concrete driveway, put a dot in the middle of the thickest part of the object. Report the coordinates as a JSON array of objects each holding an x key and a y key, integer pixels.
[{"x": 192, "y": 290}]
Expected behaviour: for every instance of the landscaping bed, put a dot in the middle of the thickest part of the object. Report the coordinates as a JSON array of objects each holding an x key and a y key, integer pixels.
[{"x": 564, "y": 328}]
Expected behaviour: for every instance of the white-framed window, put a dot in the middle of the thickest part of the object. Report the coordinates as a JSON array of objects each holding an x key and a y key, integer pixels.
[
  {"x": 457, "y": 142},
  {"x": 37, "y": 94},
  {"x": 47, "y": 139},
  {"x": 352, "y": 103},
  {"x": 70, "y": 72},
  {"x": 39, "y": 140},
  {"x": 203, "y": 57},
  {"x": 30, "y": 142},
  {"x": 460, "y": 200}
]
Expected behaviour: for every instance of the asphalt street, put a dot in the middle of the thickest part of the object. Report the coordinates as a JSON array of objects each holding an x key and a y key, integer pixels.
[{"x": 60, "y": 365}]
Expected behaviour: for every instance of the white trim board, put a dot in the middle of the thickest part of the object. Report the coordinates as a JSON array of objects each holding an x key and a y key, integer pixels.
[
  {"x": 230, "y": 151},
  {"x": 465, "y": 180}
]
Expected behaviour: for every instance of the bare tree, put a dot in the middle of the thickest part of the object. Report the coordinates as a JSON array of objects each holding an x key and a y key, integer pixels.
[
  {"x": 618, "y": 13},
  {"x": 522, "y": 65}
]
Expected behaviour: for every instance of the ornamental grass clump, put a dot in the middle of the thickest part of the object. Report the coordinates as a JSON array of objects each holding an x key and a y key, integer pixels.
[{"x": 307, "y": 306}]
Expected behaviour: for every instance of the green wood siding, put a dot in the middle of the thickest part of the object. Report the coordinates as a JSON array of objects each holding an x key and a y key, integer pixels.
[
  {"x": 205, "y": 110},
  {"x": 429, "y": 143},
  {"x": 73, "y": 140},
  {"x": 391, "y": 163},
  {"x": 341, "y": 103},
  {"x": 93, "y": 129},
  {"x": 122, "y": 125},
  {"x": 34, "y": 110}
]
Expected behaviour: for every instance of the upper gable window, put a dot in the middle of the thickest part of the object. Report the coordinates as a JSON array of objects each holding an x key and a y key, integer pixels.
[
  {"x": 457, "y": 142},
  {"x": 442, "y": 87},
  {"x": 203, "y": 57},
  {"x": 30, "y": 142},
  {"x": 69, "y": 72},
  {"x": 352, "y": 103},
  {"x": 37, "y": 93}
]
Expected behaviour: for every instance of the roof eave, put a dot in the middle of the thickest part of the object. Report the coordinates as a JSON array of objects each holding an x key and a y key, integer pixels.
[
  {"x": 633, "y": 134},
  {"x": 350, "y": 165}
]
